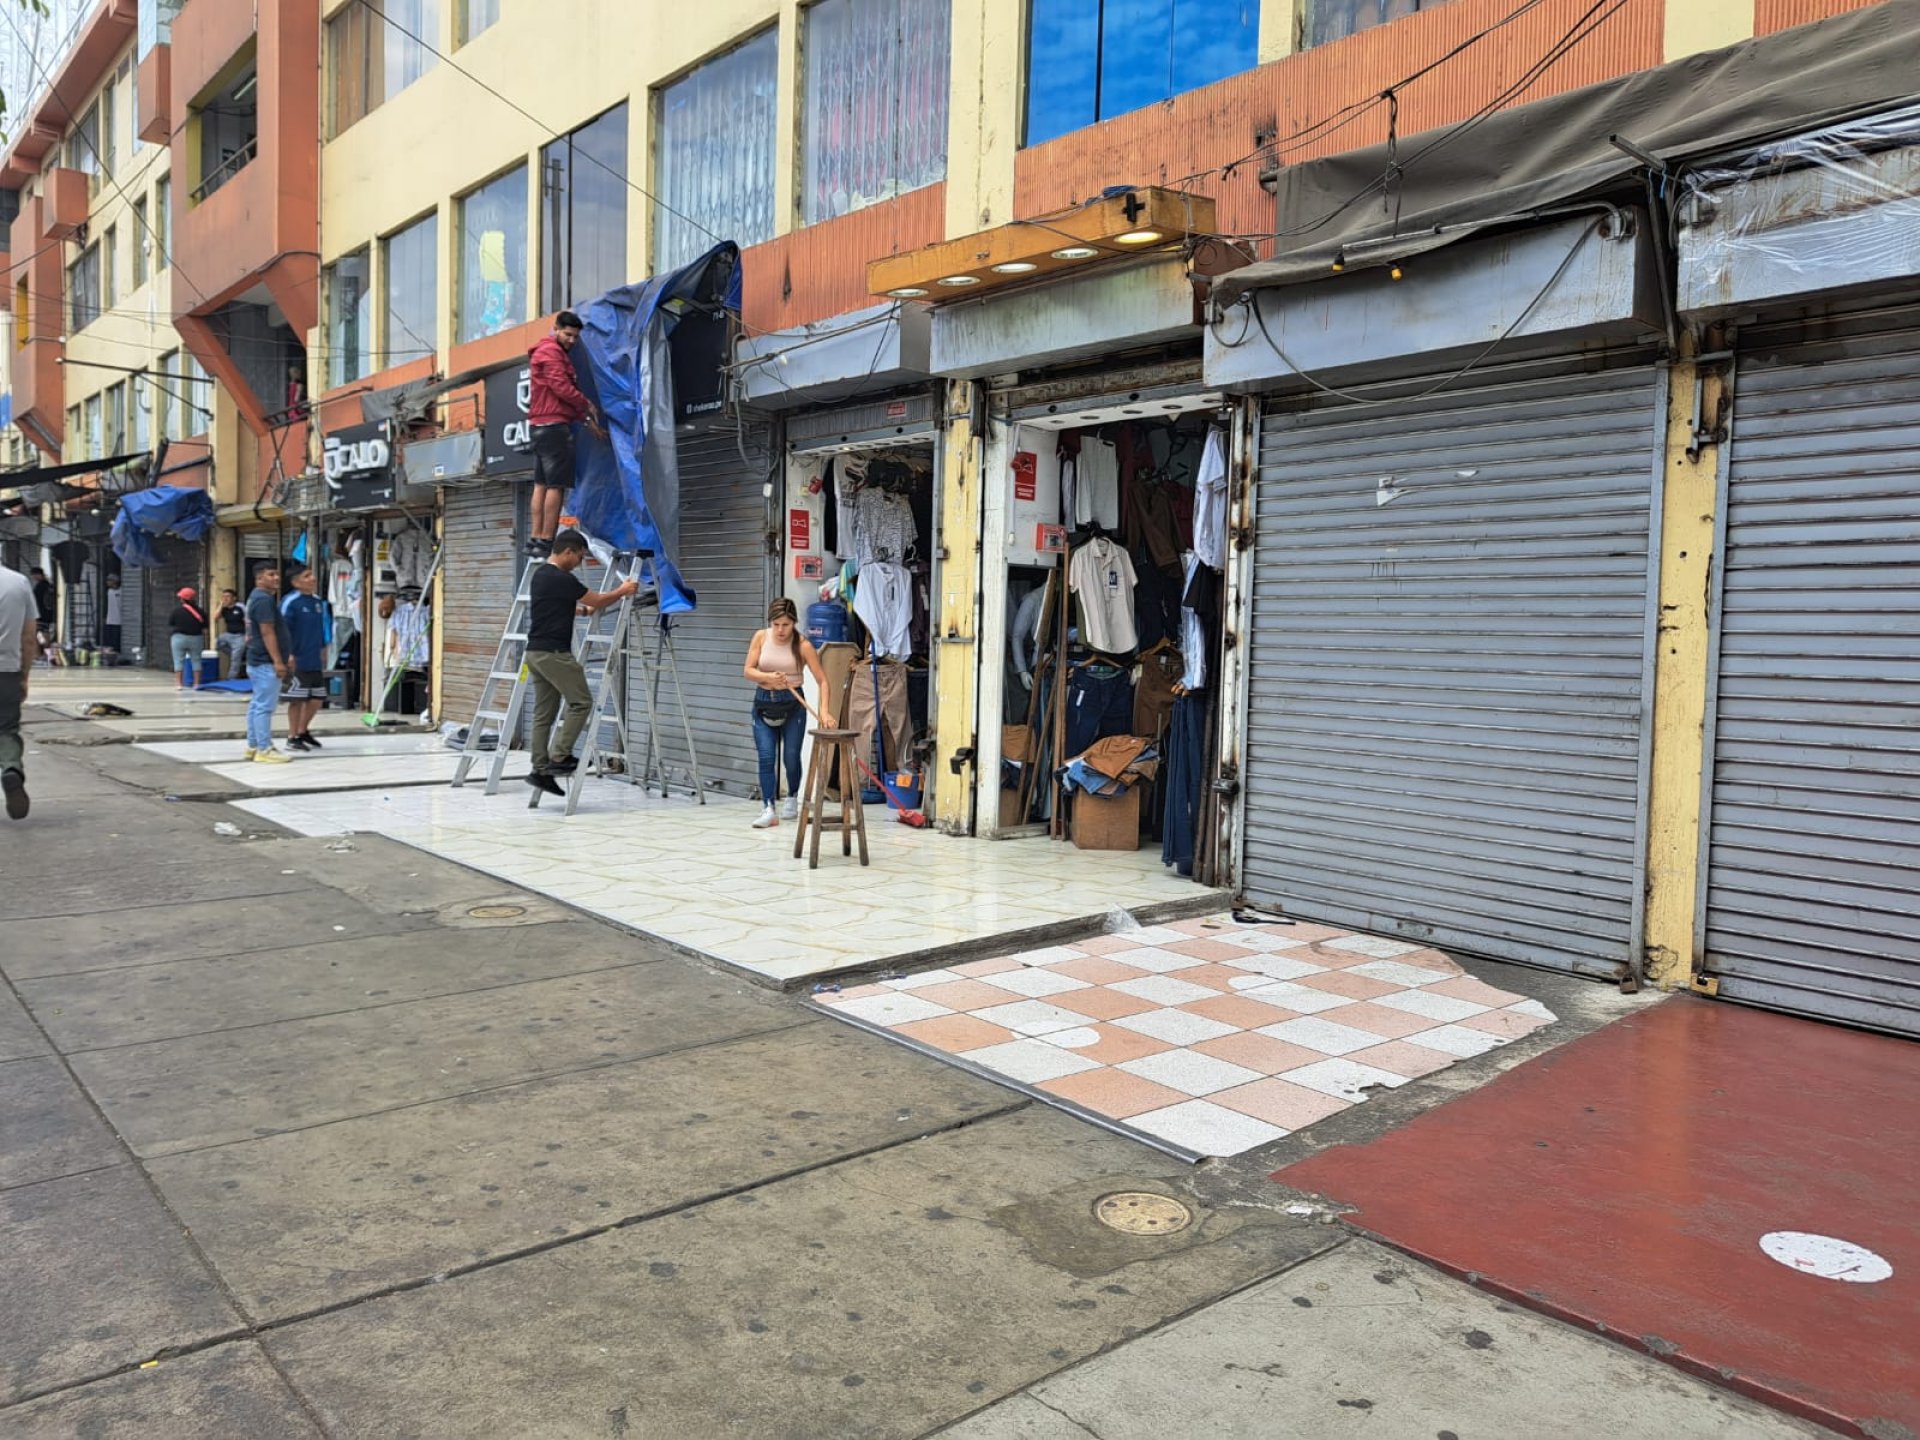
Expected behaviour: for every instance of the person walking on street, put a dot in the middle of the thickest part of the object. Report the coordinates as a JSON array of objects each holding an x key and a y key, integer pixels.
[
  {"x": 775, "y": 659},
  {"x": 554, "y": 407},
  {"x": 19, "y": 642},
  {"x": 187, "y": 634},
  {"x": 233, "y": 637},
  {"x": 305, "y": 616},
  {"x": 268, "y": 663},
  {"x": 557, "y": 675},
  {"x": 110, "y": 622},
  {"x": 46, "y": 607}
]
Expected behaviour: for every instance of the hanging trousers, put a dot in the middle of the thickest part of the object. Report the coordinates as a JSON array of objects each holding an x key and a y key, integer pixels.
[{"x": 1185, "y": 756}]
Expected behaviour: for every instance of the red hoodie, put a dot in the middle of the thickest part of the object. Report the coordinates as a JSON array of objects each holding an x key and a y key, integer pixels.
[{"x": 556, "y": 396}]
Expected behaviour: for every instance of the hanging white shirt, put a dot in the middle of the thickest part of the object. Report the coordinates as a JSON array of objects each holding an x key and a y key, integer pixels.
[
  {"x": 1096, "y": 485},
  {"x": 1210, "y": 504},
  {"x": 1193, "y": 637},
  {"x": 1101, "y": 574},
  {"x": 883, "y": 599}
]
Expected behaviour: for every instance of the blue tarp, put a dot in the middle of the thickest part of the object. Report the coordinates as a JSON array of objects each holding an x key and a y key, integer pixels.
[
  {"x": 627, "y": 488},
  {"x": 146, "y": 515}
]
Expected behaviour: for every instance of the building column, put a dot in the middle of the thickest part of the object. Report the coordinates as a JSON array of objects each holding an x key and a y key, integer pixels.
[
  {"x": 1699, "y": 25},
  {"x": 956, "y": 637},
  {"x": 1685, "y": 648},
  {"x": 986, "y": 60},
  {"x": 1280, "y": 24}
]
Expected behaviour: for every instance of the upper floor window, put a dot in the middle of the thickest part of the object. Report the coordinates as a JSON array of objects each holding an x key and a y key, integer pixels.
[
  {"x": 156, "y": 23},
  {"x": 493, "y": 256},
  {"x": 375, "y": 49},
  {"x": 349, "y": 320},
  {"x": 162, "y": 223},
  {"x": 714, "y": 160},
  {"x": 94, "y": 426},
  {"x": 166, "y": 397},
  {"x": 410, "y": 277},
  {"x": 1090, "y": 60},
  {"x": 876, "y": 106},
  {"x": 110, "y": 267},
  {"x": 83, "y": 145},
  {"x": 116, "y": 418},
  {"x": 1337, "y": 19},
  {"x": 229, "y": 130},
  {"x": 583, "y": 207},
  {"x": 83, "y": 290},
  {"x": 196, "y": 393},
  {"x": 142, "y": 241},
  {"x": 475, "y": 16},
  {"x": 109, "y": 127}
]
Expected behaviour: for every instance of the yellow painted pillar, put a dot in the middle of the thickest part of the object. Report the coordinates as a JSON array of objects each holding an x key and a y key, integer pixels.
[
  {"x": 956, "y": 635},
  {"x": 1280, "y": 26},
  {"x": 987, "y": 51},
  {"x": 1680, "y": 676},
  {"x": 1696, "y": 25},
  {"x": 789, "y": 84}
]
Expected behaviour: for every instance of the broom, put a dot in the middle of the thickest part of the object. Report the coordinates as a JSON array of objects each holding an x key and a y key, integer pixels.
[{"x": 905, "y": 813}]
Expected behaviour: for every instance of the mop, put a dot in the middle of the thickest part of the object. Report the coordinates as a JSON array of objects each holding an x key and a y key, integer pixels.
[{"x": 903, "y": 812}]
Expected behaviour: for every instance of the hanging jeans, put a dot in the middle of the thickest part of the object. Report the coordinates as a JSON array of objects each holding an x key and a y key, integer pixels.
[
  {"x": 266, "y": 696},
  {"x": 771, "y": 742},
  {"x": 1185, "y": 744}
]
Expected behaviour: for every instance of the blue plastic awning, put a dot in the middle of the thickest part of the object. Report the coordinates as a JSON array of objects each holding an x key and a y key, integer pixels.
[{"x": 146, "y": 516}]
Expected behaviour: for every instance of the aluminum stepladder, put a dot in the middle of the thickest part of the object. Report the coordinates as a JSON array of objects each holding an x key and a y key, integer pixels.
[
  {"x": 598, "y": 643},
  {"x": 657, "y": 663}
]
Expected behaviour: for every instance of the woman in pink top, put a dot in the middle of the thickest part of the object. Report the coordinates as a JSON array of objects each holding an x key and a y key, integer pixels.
[{"x": 775, "y": 661}]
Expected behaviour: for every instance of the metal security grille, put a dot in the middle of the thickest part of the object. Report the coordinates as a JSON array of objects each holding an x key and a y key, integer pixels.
[
  {"x": 725, "y": 518},
  {"x": 1813, "y": 828},
  {"x": 484, "y": 537},
  {"x": 1449, "y": 654}
]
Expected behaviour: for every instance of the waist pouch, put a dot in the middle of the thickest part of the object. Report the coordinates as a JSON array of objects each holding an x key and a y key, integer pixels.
[{"x": 774, "y": 707}]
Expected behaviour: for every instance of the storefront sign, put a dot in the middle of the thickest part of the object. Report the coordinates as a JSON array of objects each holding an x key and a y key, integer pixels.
[
  {"x": 1026, "y": 484},
  {"x": 809, "y": 567},
  {"x": 799, "y": 530},
  {"x": 509, "y": 434},
  {"x": 1050, "y": 539},
  {"x": 358, "y": 463}
]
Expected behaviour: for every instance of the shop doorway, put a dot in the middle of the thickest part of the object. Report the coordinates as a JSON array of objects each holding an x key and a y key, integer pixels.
[{"x": 1101, "y": 625}]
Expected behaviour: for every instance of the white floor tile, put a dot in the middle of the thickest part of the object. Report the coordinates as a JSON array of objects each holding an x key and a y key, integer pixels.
[
  {"x": 1033, "y": 982},
  {"x": 1301, "y": 998},
  {"x": 925, "y": 977},
  {"x": 1531, "y": 1008},
  {"x": 1274, "y": 967},
  {"x": 1051, "y": 955},
  {"x": 1149, "y": 957},
  {"x": 1189, "y": 1072},
  {"x": 1176, "y": 1027},
  {"x": 895, "y": 1009},
  {"x": 1030, "y": 1061},
  {"x": 1375, "y": 945},
  {"x": 1031, "y": 1017},
  {"x": 1394, "y": 973},
  {"x": 1434, "y": 1007},
  {"x": 1456, "y": 1040},
  {"x": 1076, "y": 1039},
  {"x": 1325, "y": 1036},
  {"x": 1342, "y": 1079},
  {"x": 1164, "y": 990},
  {"x": 1204, "y": 1128},
  {"x": 1258, "y": 940},
  {"x": 1153, "y": 935}
]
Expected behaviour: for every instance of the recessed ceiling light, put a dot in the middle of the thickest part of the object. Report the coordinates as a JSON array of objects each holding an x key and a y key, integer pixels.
[
  {"x": 1139, "y": 237},
  {"x": 1133, "y": 412},
  {"x": 1014, "y": 267},
  {"x": 907, "y": 292},
  {"x": 959, "y": 280},
  {"x": 1076, "y": 252}
]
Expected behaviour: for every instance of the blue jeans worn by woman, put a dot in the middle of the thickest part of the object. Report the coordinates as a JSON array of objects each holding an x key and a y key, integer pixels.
[
  {"x": 186, "y": 657},
  {"x": 769, "y": 741},
  {"x": 266, "y": 697}
]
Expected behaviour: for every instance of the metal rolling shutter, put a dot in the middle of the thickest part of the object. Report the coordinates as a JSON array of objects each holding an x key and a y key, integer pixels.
[
  {"x": 724, "y": 526},
  {"x": 483, "y": 536},
  {"x": 1813, "y": 826},
  {"x": 1445, "y": 731}
]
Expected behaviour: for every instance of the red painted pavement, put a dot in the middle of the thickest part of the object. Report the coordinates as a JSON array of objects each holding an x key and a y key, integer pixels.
[{"x": 1623, "y": 1182}]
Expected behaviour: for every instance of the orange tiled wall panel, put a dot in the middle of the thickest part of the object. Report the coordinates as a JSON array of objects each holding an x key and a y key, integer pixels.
[
  {"x": 1205, "y": 129},
  {"x": 1772, "y": 15},
  {"x": 820, "y": 270}
]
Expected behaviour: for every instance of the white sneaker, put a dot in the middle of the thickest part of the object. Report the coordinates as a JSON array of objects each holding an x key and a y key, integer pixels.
[
  {"x": 270, "y": 756},
  {"x": 251, "y": 752},
  {"x": 767, "y": 819},
  {"x": 790, "y": 809}
]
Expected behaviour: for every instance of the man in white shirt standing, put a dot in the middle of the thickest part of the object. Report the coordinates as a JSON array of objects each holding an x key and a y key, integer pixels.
[{"x": 18, "y": 649}]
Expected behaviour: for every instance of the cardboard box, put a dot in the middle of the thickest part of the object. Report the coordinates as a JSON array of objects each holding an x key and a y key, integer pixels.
[{"x": 1107, "y": 822}]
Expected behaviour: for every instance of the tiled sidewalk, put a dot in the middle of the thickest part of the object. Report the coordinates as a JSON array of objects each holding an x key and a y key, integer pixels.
[{"x": 1203, "y": 1037}]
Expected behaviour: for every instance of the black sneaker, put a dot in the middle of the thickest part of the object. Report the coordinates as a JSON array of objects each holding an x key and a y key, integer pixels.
[
  {"x": 309, "y": 741},
  {"x": 298, "y": 742},
  {"x": 15, "y": 785},
  {"x": 563, "y": 767},
  {"x": 540, "y": 780}
]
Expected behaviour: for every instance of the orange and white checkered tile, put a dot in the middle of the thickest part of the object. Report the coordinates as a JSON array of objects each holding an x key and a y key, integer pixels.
[{"x": 1204, "y": 1037}]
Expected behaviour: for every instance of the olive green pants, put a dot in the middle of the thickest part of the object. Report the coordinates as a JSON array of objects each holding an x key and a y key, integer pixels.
[{"x": 557, "y": 676}]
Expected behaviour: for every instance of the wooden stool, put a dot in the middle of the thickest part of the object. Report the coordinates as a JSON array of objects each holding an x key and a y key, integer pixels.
[{"x": 828, "y": 746}]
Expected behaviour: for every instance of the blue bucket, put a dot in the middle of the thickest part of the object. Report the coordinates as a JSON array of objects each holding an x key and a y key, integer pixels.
[
  {"x": 905, "y": 784},
  {"x": 826, "y": 622}
]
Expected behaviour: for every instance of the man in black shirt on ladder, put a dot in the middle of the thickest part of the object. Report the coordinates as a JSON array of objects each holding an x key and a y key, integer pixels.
[{"x": 556, "y": 598}]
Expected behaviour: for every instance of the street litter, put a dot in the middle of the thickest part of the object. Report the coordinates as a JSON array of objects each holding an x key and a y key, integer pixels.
[{"x": 225, "y": 827}]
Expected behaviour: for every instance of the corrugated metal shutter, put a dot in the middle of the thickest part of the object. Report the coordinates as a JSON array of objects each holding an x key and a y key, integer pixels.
[
  {"x": 724, "y": 524},
  {"x": 181, "y": 566},
  {"x": 484, "y": 535},
  {"x": 1445, "y": 732},
  {"x": 1814, "y": 803}
]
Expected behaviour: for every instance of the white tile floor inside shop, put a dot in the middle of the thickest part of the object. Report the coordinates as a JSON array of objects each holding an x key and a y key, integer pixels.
[{"x": 699, "y": 877}]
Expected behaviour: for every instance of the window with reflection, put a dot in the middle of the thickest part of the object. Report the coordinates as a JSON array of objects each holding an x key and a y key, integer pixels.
[
  {"x": 410, "y": 280},
  {"x": 493, "y": 256},
  {"x": 714, "y": 161},
  {"x": 583, "y": 212},
  {"x": 875, "y": 122},
  {"x": 1336, "y": 19}
]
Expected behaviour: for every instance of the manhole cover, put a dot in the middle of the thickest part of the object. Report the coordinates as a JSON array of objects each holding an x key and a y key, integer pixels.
[
  {"x": 496, "y": 912},
  {"x": 1137, "y": 1212}
]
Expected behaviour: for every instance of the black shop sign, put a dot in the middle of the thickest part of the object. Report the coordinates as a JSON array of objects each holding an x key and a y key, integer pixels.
[
  {"x": 509, "y": 433},
  {"x": 358, "y": 462}
]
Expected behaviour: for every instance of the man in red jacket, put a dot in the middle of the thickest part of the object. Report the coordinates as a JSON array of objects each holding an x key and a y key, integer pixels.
[{"x": 552, "y": 411}]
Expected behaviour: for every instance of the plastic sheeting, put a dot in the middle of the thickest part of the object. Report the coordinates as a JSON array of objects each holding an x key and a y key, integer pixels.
[
  {"x": 146, "y": 516},
  {"x": 628, "y": 488},
  {"x": 1856, "y": 209}
]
